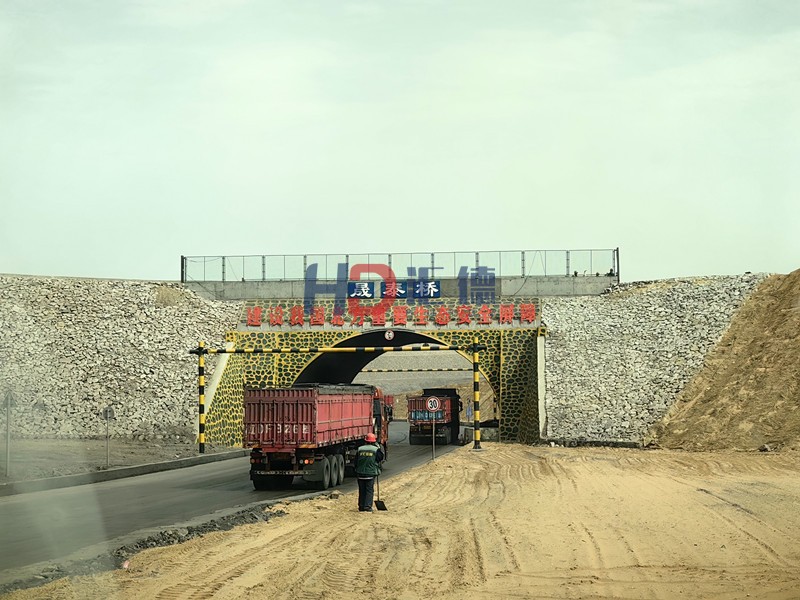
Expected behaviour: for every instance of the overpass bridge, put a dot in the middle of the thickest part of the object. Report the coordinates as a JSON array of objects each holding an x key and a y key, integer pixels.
[
  {"x": 495, "y": 299},
  {"x": 498, "y": 273}
]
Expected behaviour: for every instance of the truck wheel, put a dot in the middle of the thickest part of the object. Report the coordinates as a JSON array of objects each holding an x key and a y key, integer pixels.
[
  {"x": 340, "y": 467},
  {"x": 415, "y": 440},
  {"x": 455, "y": 432},
  {"x": 326, "y": 475},
  {"x": 331, "y": 460}
]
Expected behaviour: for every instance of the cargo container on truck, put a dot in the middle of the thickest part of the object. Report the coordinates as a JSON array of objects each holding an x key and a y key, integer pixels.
[
  {"x": 311, "y": 431},
  {"x": 446, "y": 419}
]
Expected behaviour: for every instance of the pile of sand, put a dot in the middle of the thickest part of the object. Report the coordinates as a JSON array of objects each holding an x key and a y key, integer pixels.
[{"x": 747, "y": 396}]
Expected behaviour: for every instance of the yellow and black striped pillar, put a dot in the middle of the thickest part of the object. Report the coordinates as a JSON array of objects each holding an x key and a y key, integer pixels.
[
  {"x": 201, "y": 390},
  {"x": 476, "y": 391}
]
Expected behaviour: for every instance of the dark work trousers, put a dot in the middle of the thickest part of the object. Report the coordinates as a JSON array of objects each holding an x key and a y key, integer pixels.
[{"x": 366, "y": 489}]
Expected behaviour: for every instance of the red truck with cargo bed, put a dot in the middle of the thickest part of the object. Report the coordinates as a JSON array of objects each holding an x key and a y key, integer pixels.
[
  {"x": 444, "y": 422},
  {"x": 311, "y": 431}
]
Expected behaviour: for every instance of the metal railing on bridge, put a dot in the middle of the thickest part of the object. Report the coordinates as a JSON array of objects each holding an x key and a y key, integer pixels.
[{"x": 432, "y": 265}]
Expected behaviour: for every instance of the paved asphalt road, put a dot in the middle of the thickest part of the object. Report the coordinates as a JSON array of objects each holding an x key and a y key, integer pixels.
[{"x": 54, "y": 525}]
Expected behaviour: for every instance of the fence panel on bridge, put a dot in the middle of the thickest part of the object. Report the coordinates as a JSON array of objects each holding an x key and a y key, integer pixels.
[{"x": 434, "y": 265}]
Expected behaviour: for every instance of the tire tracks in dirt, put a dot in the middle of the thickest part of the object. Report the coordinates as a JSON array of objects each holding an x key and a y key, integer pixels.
[{"x": 712, "y": 470}]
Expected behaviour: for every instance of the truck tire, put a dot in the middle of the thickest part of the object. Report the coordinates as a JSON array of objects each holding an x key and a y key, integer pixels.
[
  {"x": 323, "y": 483},
  {"x": 416, "y": 440},
  {"x": 340, "y": 467},
  {"x": 331, "y": 460},
  {"x": 455, "y": 432}
]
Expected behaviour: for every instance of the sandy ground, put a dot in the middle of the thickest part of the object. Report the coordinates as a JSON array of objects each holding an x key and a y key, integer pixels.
[{"x": 511, "y": 521}]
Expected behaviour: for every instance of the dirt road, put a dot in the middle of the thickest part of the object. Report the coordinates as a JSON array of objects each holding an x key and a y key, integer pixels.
[{"x": 512, "y": 521}]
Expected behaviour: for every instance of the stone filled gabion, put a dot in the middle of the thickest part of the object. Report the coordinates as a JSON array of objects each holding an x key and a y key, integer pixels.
[
  {"x": 69, "y": 347},
  {"x": 615, "y": 363}
]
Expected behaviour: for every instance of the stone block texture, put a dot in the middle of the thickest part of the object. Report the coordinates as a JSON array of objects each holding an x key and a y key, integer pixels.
[
  {"x": 615, "y": 363},
  {"x": 69, "y": 347}
]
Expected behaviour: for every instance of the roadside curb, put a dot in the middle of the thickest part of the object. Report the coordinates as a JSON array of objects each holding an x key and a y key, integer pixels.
[{"x": 52, "y": 483}]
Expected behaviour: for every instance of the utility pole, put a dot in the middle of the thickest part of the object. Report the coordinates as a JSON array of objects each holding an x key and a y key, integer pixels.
[
  {"x": 9, "y": 401},
  {"x": 108, "y": 414}
]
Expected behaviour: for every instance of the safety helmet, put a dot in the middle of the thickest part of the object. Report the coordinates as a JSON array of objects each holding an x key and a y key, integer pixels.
[{"x": 370, "y": 437}]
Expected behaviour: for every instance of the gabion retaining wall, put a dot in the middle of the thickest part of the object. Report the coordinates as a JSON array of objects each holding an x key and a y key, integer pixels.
[
  {"x": 69, "y": 347},
  {"x": 615, "y": 363}
]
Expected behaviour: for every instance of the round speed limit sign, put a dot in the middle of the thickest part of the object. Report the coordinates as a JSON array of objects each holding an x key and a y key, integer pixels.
[{"x": 433, "y": 404}]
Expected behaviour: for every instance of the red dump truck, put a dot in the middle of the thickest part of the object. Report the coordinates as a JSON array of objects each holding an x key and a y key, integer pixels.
[
  {"x": 311, "y": 431},
  {"x": 446, "y": 418}
]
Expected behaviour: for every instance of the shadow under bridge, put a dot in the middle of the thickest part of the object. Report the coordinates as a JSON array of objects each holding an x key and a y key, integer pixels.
[{"x": 343, "y": 368}]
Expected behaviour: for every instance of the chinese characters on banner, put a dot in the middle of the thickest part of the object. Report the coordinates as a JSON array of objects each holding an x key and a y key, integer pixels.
[
  {"x": 476, "y": 285},
  {"x": 394, "y": 289},
  {"x": 399, "y": 315},
  {"x": 392, "y": 302}
]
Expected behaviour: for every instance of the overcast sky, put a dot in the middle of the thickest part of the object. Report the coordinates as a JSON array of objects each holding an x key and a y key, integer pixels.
[{"x": 134, "y": 132}]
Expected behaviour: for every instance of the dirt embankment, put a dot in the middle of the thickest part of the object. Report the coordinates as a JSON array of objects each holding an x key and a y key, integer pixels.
[{"x": 747, "y": 396}]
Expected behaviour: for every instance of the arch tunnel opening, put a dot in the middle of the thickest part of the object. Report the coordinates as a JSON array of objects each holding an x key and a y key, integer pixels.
[{"x": 345, "y": 368}]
